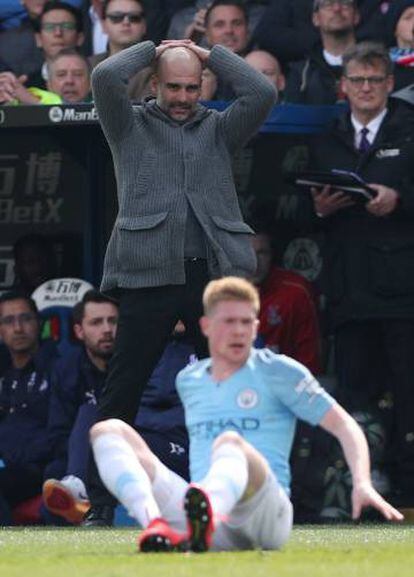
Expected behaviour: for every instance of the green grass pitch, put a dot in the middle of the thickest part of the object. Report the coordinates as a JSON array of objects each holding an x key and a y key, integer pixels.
[{"x": 322, "y": 551}]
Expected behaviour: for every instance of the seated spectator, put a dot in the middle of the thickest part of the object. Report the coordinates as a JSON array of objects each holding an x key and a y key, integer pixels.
[
  {"x": 225, "y": 24},
  {"x": 34, "y": 262},
  {"x": 124, "y": 23},
  {"x": 58, "y": 27},
  {"x": 401, "y": 30},
  {"x": 268, "y": 65},
  {"x": 286, "y": 30},
  {"x": 24, "y": 403},
  {"x": 77, "y": 381},
  {"x": 158, "y": 15},
  {"x": 69, "y": 76},
  {"x": 317, "y": 80},
  {"x": 288, "y": 314}
]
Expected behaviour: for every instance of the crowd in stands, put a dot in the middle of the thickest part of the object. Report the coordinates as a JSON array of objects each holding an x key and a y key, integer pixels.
[
  {"x": 48, "y": 50},
  {"x": 295, "y": 43}
]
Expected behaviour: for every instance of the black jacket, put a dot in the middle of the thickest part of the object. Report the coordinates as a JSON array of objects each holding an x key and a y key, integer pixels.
[
  {"x": 369, "y": 260},
  {"x": 313, "y": 81},
  {"x": 75, "y": 381},
  {"x": 24, "y": 407}
]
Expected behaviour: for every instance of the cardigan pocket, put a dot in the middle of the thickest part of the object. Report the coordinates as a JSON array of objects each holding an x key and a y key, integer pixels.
[
  {"x": 141, "y": 241},
  {"x": 234, "y": 238}
]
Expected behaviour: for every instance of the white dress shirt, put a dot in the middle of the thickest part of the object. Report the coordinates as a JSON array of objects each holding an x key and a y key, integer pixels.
[{"x": 372, "y": 127}]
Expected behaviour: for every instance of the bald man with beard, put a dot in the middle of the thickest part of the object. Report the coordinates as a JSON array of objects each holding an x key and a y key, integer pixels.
[{"x": 179, "y": 222}]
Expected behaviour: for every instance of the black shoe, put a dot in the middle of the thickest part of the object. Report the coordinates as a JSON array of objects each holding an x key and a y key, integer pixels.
[{"x": 99, "y": 516}]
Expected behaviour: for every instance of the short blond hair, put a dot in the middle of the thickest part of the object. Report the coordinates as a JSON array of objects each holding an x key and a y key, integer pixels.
[{"x": 230, "y": 288}]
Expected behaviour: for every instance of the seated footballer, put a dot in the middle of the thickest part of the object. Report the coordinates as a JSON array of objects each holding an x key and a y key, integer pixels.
[{"x": 241, "y": 407}]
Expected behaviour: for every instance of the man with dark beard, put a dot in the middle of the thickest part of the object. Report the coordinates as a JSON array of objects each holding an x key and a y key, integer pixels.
[{"x": 77, "y": 383}]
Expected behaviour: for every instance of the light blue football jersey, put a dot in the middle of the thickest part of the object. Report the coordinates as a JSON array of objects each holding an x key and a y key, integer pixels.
[{"x": 261, "y": 401}]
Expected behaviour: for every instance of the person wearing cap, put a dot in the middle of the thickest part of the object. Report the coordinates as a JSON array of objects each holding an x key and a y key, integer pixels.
[
  {"x": 316, "y": 80},
  {"x": 369, "y": 252}
]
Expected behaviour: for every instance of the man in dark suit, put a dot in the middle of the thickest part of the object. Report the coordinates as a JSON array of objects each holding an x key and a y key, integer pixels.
[{"x": 369, "y": 258}]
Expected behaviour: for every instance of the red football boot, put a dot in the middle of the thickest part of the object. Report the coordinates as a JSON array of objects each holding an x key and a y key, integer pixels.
[
  {"x": 159, "y": 537},
  {"x": 199, "y": 518}
]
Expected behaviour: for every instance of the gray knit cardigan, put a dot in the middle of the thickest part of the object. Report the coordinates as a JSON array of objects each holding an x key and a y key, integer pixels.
[{"x": 161, "y": 166}]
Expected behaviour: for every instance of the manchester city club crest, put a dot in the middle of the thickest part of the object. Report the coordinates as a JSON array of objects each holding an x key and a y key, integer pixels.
[{"x": 247, "y": 399}]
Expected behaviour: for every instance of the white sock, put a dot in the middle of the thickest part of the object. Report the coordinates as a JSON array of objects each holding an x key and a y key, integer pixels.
[
  {"x": 125, "y": 477},
  {"x": 226, "y": 479}
]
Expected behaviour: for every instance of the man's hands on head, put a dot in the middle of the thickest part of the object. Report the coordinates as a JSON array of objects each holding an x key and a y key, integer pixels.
[
  {"x": 326, "y": 202},
  {"x": 202, "y": 53},
  {"x": 364, "y": 495}
]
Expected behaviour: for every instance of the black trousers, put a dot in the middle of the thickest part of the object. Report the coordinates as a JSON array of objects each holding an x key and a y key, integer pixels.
[
  {"x": 147, "y": 317},
  {"x": 372, "y": 358}
]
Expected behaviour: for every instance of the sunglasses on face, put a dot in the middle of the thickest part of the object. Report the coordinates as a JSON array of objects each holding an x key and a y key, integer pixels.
[{"x": 132, "y": 17}]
